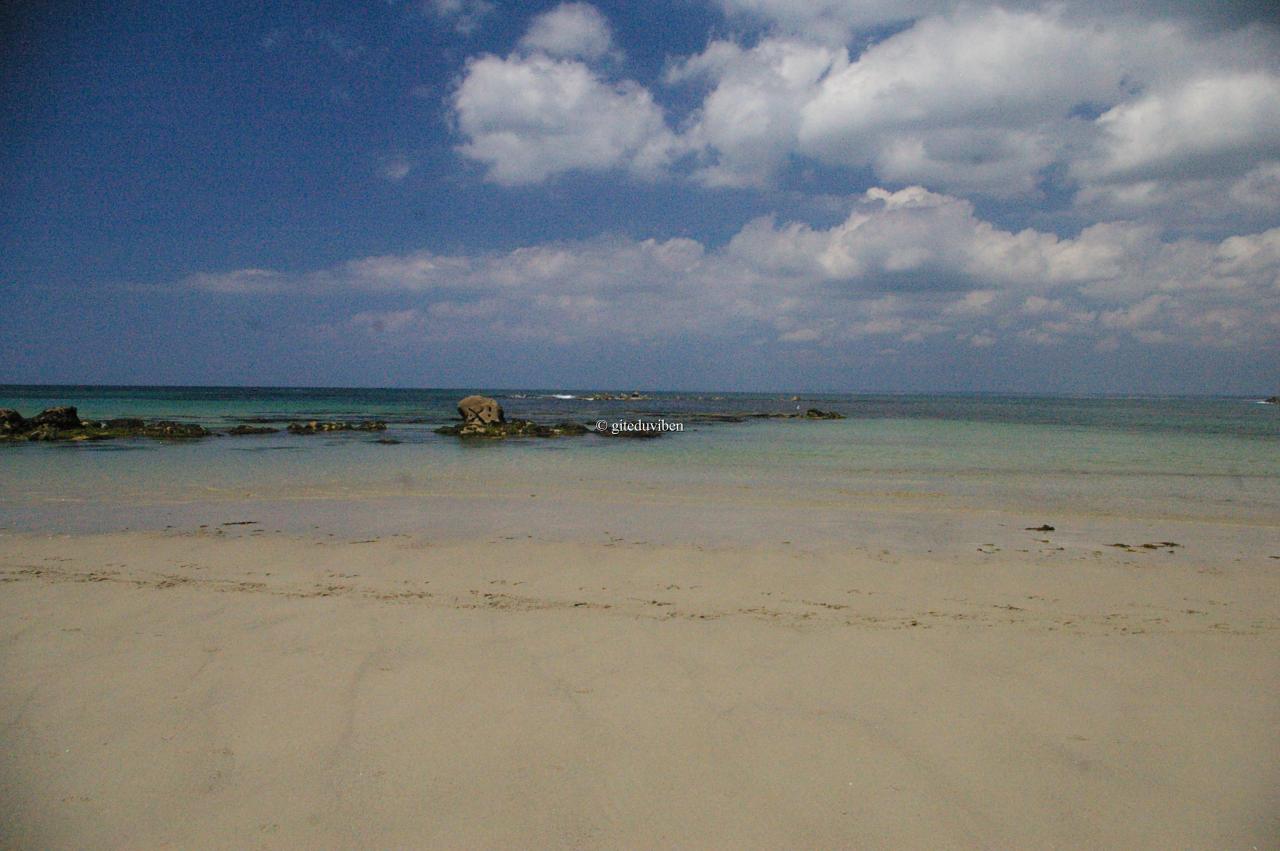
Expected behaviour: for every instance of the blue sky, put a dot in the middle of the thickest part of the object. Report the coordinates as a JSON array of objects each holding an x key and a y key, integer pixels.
[{"x": 737, "y": 194}]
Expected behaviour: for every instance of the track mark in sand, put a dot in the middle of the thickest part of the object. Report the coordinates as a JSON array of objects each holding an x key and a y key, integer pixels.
[
  {"x": 516, "y": 603},
  {"x": 796, "y": 613}
]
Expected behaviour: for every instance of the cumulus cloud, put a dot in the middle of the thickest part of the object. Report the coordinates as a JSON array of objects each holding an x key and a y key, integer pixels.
[
  {"x": 1214, "y": 124},
  {"x": 903, "y": 267},
  {"x": 984, "y": 99},
  {"x": 543, "y": 110},
  {"x": 837, "y": 20},
  {"x": 1207, "y": 147},
  {"x": 1155, "y": 119},
  {"x": 570, "y": 30},
  {"x": 531, "y": 117},
  {"x": 748, "y": 123}
]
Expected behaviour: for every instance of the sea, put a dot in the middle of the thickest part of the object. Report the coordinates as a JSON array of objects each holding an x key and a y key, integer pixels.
[{"x": 1211, "y": 458}]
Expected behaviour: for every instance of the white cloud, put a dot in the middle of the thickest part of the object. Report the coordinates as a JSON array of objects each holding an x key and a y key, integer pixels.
[
  {"x": 981, "y": 99},
  {"x": 1202, "y": 150},
  {"x": 903, "y": 267},
  {"x": 749, "y": 121},
  {"x": 464, "y": 15},
  {"x": 830, "y": 20},
  {"x": 1216, "y": 124},
  {"x": 570, "y": 30},
  {"x": 1160, "y": 120},
  {"x": 838, "y": 20},
  {"x": 528, "y": 118},
  {"x": 395, "y": 169}
]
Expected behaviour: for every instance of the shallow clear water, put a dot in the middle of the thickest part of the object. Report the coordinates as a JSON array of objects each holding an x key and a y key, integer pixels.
[{"x": 1184, "y": 457}]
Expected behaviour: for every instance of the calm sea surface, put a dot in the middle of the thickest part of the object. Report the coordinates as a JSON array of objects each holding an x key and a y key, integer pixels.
[{"x": 1186, "y": 457}]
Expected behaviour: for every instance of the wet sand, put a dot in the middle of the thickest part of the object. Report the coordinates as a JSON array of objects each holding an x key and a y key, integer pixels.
[{"x": 233, "y": 686}]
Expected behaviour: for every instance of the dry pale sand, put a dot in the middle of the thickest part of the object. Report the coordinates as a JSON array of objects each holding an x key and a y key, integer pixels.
[{"x": 236, "y": 689}]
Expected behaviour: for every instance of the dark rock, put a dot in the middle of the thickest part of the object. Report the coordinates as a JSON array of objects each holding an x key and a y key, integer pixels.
[
  {"x": 320, "y": 428},
  {"x": 1043, "y": 528},
  {"x": 721, "y": 418},
  {"x": 633, "y": 396},
  {"x": 481, "y": 409},
  {"x": 63, "y": 417},
  {"x": 512, "y": 428},
  {"x": 1272, "y": 400},
  {"x": 387, "y": 441},
  {"x": 63, "y": 423},
  {"x": 316, "y": 427},
  {"x": 251, "y": 429},
  {"x": 815, "y": 414},
  {"x": 168, "y": 430},
  {"x": 44, "y": 432},
  {"x": 130, "y": 424},
  {"x": 12, "y": 422}
]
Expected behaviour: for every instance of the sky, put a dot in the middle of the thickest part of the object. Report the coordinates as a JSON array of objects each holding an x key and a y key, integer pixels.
[{"x": 790, "y": 195}]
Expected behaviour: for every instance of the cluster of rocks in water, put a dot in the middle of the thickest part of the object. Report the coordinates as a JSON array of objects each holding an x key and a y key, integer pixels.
[
  {"x": 484, "y": 417},
  {"x": 1272, "y": 400},
  {"x": 317, "y": 427},
  {"x": 481, "y": 417},
  {"x": 633, "y": 396},
  {"x": 63, "y": 423}
]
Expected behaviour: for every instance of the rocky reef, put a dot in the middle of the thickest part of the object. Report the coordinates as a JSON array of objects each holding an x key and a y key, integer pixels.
[
  {"x": 483, "y": 417},
  {"x": 513, "y": 428},
  {"x": 480, "y": 417},
  {"x": 1272, "y": 400},
  {"x": 244, "y": 429},
  {"x": 322, "y": 427},
  {"x": 810, "y": 414},
  {"x": 633, "y": 396},
  {"x": 63, "y": 423}
]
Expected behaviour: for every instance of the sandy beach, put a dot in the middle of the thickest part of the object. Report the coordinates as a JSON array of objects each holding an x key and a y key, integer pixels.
[{"x": 234, "y": 686}]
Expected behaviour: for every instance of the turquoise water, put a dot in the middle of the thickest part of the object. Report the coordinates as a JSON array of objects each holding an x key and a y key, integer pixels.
[{"x": 1185, "y": 457}]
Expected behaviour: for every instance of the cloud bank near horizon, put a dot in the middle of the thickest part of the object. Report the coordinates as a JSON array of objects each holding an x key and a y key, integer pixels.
[{"x": 903, "y": 267}]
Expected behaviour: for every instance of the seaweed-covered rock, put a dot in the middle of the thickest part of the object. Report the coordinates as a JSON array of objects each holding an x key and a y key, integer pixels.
[
  {"x": 62, "y": 417},
  {"x": 12, "y": 422},
  {"x": 512, "y": 428},
  {"x": 64, "y": 424},
  {"x": 43, "y": 433},
  {"x": 481, "y": 409},
  {"x": 168, "y": 430},
  {"x": 317, "y": 427},
  {"x": 128, "y": 424},
  {"x": 251, "y": 429},
  {"x": 815, "y": 414}
]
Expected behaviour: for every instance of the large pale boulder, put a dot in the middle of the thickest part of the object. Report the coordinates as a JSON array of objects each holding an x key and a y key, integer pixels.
[{"x": 480, "y": 409}]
